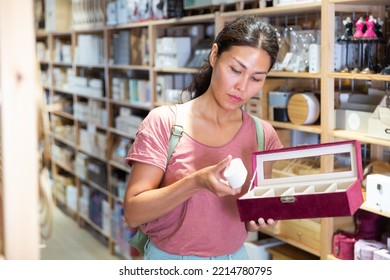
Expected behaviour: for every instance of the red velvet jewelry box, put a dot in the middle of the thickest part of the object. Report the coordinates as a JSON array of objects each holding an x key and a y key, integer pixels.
[{"x": 288, "y": 183}]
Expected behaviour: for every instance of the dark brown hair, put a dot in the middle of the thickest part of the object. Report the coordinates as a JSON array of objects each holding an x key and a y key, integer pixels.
[{"x": 247, "y": 30}]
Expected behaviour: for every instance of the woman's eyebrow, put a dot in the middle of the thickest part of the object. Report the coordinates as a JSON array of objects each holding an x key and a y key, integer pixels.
[{"x": 245, "y": 67}]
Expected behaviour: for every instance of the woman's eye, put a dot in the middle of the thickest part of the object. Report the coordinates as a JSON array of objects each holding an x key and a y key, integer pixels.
[
  {"x": 235, "y": 70},
  {"x": 256, "y": 80}
]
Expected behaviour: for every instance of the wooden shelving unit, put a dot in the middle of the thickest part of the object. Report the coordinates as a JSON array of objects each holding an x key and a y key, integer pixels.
[{"x": 323, "y": 11}]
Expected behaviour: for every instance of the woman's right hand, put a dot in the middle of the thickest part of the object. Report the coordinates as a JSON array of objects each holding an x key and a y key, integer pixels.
[{"x": 211, "y": 178}]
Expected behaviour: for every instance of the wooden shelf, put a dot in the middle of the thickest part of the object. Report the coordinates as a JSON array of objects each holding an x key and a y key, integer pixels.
[
  {"x": 92, "y": 155},
  {"x": 287, "y": 74},
  {"x": 100, "y": 66},
  {"x": 141, "y": 24},
  {"x": 306, "y": 128},
  {"x": 353, "y": 135},
  {"x": 185, "y": 20},
  {"x": 63, "y": 114},
  {"x": 326, "y": 9},
  {"x": 129, "y": 67},
  {"x": 296, "y": 9},
  {"x": 120, "y": 133},
  {"x": 65, "y": 167},
  {"x": 97, "y": 187},
  {"x": 373, "y": 210},
  {"x": 175, "y": 70},
  {"x": 94, "y": 226},
  {"x": 63, "y": 90},
  {"x": 61, "y": 64},
  {"x": 88, "y": 30},
  {"x": 63, "y": 140},
  {"x": 358, "y": 76}
]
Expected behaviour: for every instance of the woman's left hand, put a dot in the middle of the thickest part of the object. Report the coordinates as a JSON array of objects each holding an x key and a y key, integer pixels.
[{"x": 260, "y": 224}]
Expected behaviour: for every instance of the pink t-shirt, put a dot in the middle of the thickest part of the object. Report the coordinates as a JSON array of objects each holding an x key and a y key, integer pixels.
[{"x": 204, "y": 225}]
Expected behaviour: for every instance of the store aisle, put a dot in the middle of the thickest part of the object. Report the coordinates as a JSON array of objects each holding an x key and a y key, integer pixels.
[{"x": 70, "y": 242}]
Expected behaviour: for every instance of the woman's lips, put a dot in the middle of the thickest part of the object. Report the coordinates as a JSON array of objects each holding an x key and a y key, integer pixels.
[{"x": 235, "y": 98}]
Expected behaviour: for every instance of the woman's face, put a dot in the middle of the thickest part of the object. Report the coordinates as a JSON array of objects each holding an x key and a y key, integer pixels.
[{"x": 238, "y": 74}]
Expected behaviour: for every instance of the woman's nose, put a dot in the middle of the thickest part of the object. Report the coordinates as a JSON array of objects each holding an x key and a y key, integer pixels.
[{"x": 241, "y": 84}]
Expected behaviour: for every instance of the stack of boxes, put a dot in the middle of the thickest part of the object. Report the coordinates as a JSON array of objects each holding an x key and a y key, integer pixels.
[
  {"x": 172, "y": 51},
  {"x": 121, "y": 48},
  {"x": 120, "y": 89},
  {"x": 62, "y": 52},
  {"x": 58, "y": 15},
  {"x": 63, "y": 155},
  {"x": 127, "y": 122},
  {"x": 93, "y": 141},
  {"x": 134, "y": 91},
  {"x": 43, "y": 53},
  {"x": 124, "y": 11},
  {"x": 71, "y": 198},
  {"x": 91, "y": 87},
  {"x": 84, "y": 201},
  {"x": 81, "y": 165},
  {"x": 61, "y": 77},
  {"x": 89, "y": 50},
  {"x": 60, "y": 184}
]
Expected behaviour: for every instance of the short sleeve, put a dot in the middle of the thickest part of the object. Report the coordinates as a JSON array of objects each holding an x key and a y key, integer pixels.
[
  {"x": 271, "y": 138},
  {"x": 151, "y": 143}
]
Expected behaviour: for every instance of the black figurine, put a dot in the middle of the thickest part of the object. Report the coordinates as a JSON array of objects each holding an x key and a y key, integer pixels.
[
  {"x": 346, "y": 37},
  {"x": 348, "y": 24},
  {"x": 378, "y": 28}
]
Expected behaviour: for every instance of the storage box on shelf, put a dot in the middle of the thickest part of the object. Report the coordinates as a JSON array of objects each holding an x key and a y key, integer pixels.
[
  {"x": 129, "y": 45},
  {"x": 60, "y": 183},
  {"x": 379, "y": 121},
  {"x": 58, "y": 15}
]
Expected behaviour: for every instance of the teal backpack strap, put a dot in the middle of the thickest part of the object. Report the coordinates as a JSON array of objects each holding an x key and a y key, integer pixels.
[
  {"x": 139, "y": 239},
  {"x": 176, "y": 133},
  {"x": 259, "y": 132}
]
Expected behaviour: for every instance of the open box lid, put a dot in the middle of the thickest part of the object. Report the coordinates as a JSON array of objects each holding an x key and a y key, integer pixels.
[{"x": 301, "y": 164}]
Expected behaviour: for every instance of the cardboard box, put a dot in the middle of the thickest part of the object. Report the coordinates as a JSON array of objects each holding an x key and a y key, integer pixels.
[
  {"x": 379, "y": 123},
  {"x": 58, "y": 15},
  {"x": 355, "y": 112},
  {"x": 352, "y": 120},
  {"x": 301, "y": 189},
  {"x": 173, "y": 45},
  {"x": 378, "y": 191}
]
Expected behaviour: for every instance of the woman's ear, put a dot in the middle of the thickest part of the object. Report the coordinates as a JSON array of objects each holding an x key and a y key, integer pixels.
[{"x": 213, "y": 54}]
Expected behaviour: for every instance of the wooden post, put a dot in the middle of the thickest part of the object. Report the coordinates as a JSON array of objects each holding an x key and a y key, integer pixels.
[{"x": 19, "y": 143}]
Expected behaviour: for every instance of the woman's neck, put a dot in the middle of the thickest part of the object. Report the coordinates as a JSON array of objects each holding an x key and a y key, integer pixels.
[{"x": 207, "y": 108}]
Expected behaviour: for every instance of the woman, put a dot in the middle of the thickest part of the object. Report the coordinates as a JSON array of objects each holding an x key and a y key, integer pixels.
[{"x": 185, "y": 206}]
